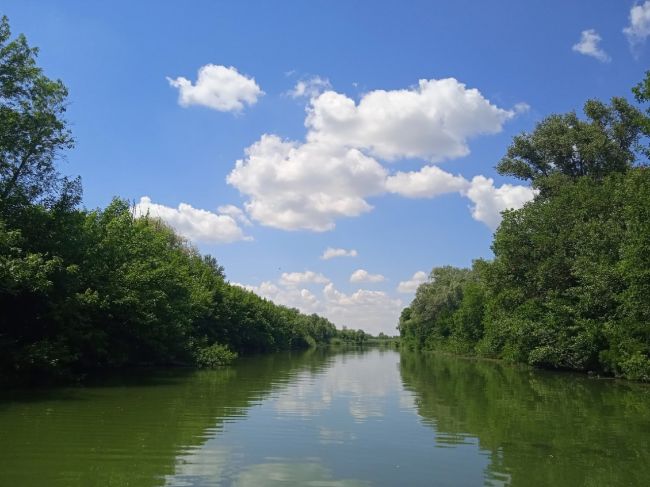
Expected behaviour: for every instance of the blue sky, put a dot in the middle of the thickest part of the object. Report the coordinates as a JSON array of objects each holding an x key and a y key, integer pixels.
[{"x": 388, "y": 149}]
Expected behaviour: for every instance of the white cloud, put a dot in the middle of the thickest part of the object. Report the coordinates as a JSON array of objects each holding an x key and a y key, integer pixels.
[
  {"x": 305, "y": 186},
  {"x": 287, "y": 295},
  {"x": 308, "y": 185},
  {"x": 639, "y": 28},
  {"x": 193, "y": 223},
  {"x": 432, "y": 121},
  {"x": 588, "y": 45},
  {"x": 362, "y": 275},
  {"x": 428, "y": 182},
  {"x": 217, "y": 87},
  {"x": 411, "y": 285},
  {"x": 310, "y": 88},
  {"x": 489, "y": 201},
  {"x": 235, "y": 212},
  {"x": 373, "y": 311},
  {"x": 521, "y": 107},
  {"x": 331, "y": 253},
  {"x": 295, "y": 278}
]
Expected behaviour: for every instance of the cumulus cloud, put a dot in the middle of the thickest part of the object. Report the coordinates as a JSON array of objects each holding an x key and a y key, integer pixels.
[
  {"x": 362, "y": 275},
  {"x": 639, "y": 28},
  {"x": 489, "y": 201},
  {"x": 432, "y": 121},
  {"x": 310, "y": 88},
  {"x": 373, "y": 311},
  {"x": 291, "y": 296},
  {"x": 428, "y": 182},
  {"x": 218, "y": 87},
  {"x": 295, "y": 278},
  {"x": 331, "y": 253},
  {"x": 411, "y": 285},
  {"x": 309, "y": 185},
  {"x": 193, "y": 223},
  {"x": 589, "y": 46},
  {"x": 305, "y": 186}
]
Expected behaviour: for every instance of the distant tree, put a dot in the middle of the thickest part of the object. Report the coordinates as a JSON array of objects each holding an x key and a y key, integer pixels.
[{"x": 429, "y": 318}]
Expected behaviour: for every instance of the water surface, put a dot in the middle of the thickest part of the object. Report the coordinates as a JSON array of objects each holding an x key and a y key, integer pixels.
[{"x": 356, "y": 418}]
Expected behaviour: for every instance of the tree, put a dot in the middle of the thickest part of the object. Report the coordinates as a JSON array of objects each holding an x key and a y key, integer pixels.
[
  {"x": 34, "y": 130},
  {"x": 567, "y": 147},
  {"x": 569, "y": 281},
  {"x": 429, "y": 320}
]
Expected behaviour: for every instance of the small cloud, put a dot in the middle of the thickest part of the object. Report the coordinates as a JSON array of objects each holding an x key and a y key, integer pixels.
[
  {"x": 331, "y": 253},
  {"x": 361, "y": 275},
  {"x": 193, "y": 223},
  {"x": 307, "y": 277},
  {"x": 411, "y": 285},
  {"x": 588, "y": 45},
  {"x": 639, "y": 28},
  {"x": 427, "y": 182},
  {"x": 217, "y": 87},
  {"x": 489, "y": 200},
  {"x": 310, "y": 88},
  {"x": 235, "y": 212},
  {"x": 521, "y": 108}
]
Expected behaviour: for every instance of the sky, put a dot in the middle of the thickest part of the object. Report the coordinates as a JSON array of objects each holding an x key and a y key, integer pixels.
[{"x": 328, "y": 154}]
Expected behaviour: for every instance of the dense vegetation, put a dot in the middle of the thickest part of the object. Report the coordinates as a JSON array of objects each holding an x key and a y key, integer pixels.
[
  {"x": 83, "y": 289},
  {"x": 569, "y": 283}
]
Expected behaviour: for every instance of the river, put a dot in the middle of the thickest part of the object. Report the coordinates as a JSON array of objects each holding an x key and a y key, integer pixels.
[{"x": 323, "y": 418}]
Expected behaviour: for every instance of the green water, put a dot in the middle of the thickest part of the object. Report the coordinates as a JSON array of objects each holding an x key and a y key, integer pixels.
[{"x": 331, "y": 419}]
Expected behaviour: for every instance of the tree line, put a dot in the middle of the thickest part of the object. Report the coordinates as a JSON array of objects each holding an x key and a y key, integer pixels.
[
  {"x": 569, "y": 283},
  {"x": 85, "y": 289}
]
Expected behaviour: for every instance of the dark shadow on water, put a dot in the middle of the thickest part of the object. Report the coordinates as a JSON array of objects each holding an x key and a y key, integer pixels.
[
  {"x": 538, "y": 427},
  {"x": 148, "y": 417}
]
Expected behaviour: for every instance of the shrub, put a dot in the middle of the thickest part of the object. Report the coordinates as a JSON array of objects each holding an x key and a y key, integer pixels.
[{"x": 214, "y": 356}]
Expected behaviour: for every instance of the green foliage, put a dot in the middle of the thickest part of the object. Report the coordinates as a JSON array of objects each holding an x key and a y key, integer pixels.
[
  {"x": 568, "y": 147},
  {"x": 352, "y": 337},
  {"x": 570, "y": 273},
  {"x": 87, "y": 289},
  {"x": 34, "y": 131},
  {"x": 567, "y": 288},
  {"x": 107, "y": 289},
  {"x": 446, "y": 312},
  {"x": 569, "y": 284},
  {"x": 214, "y": 356}
]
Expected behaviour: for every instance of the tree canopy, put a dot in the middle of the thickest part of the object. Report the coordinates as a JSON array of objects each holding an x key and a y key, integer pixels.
[
  {"x": 569, "y": 281},
  {"x": 34, "y": 131},
  {"x": 606, "y": 141},
  {"x": 86, "y": 289}
]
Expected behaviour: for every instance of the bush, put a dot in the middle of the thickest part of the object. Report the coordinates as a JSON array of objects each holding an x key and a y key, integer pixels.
[{"x": 214, "y": 356}]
